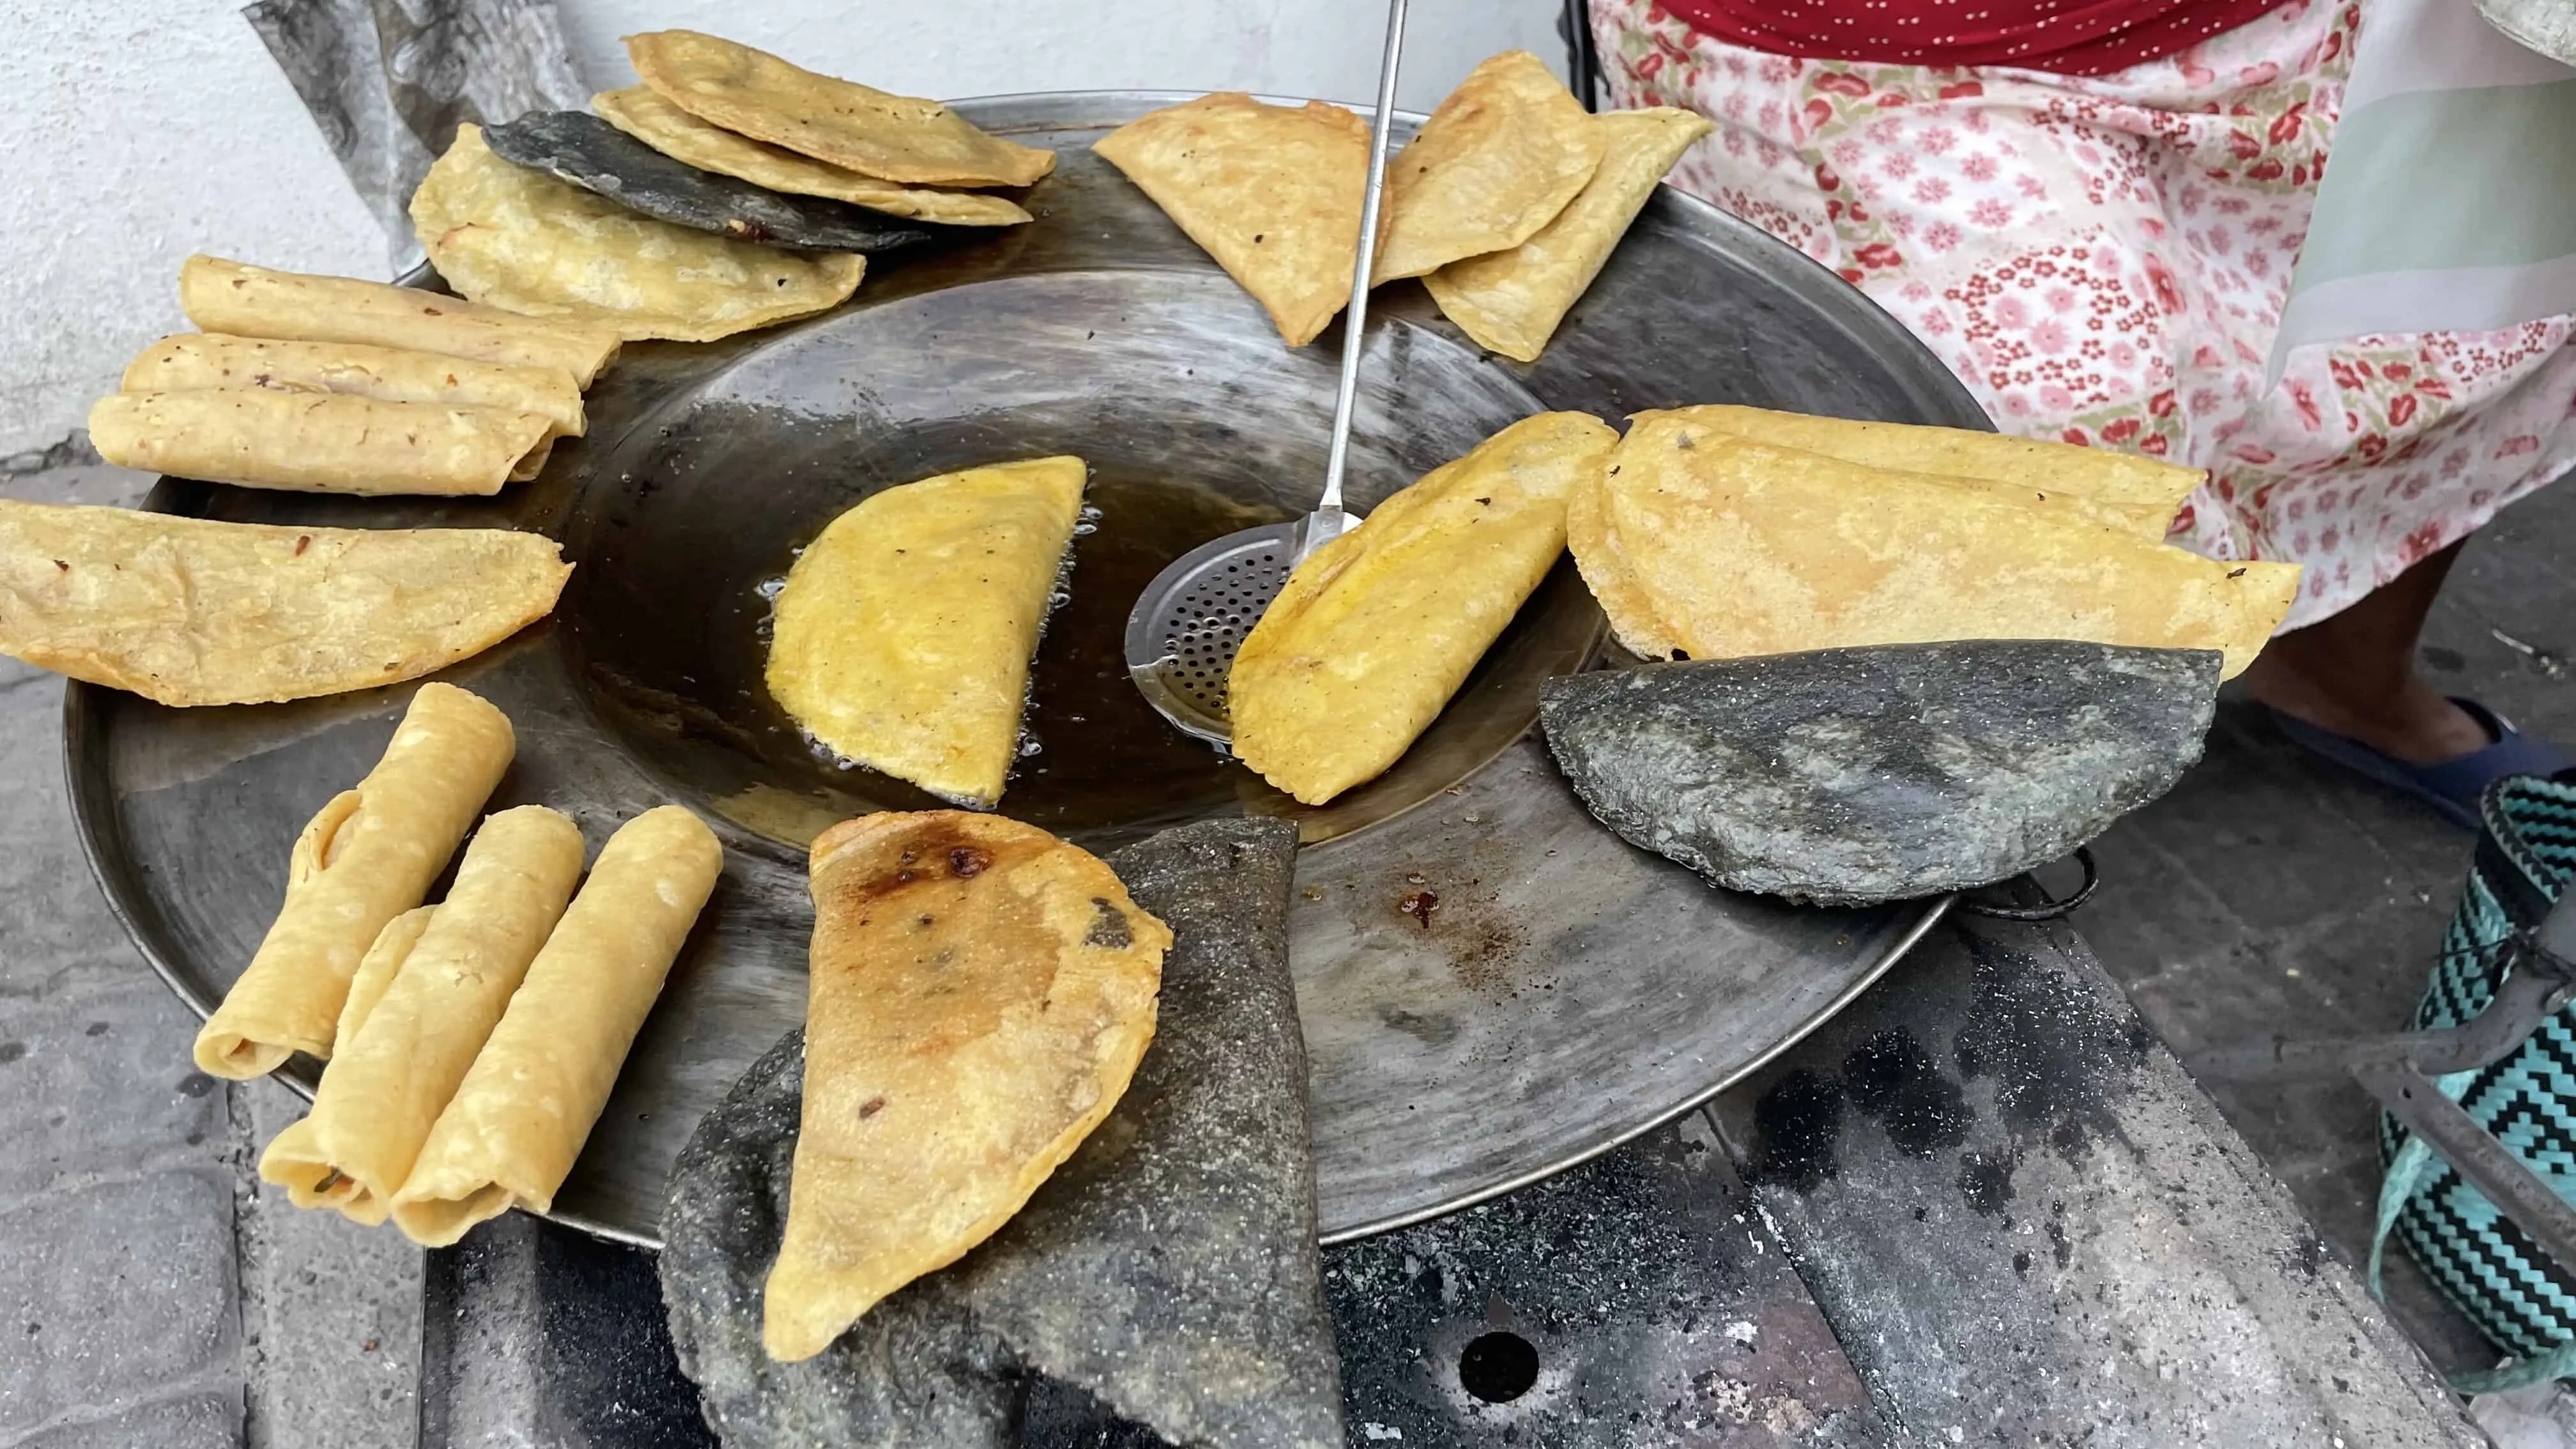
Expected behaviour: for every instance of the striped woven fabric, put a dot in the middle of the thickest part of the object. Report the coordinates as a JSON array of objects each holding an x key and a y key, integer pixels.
[
  {"x": 2451, "y": 201},
  {"x": 2519, "y": 1296}
]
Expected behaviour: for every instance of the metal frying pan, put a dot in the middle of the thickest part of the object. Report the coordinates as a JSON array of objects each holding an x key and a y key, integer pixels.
[{"x": 1493, "y": 988}]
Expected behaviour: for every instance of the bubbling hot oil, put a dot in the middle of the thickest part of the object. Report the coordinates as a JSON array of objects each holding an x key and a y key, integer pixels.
[{"x": 1109, "y": 766}]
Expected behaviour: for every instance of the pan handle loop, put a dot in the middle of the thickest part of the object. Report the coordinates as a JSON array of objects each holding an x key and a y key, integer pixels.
[{"x": 2049, "y": 908}]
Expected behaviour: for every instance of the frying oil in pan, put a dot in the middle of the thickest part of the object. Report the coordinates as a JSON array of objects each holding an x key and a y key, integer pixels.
[{"x": 1102, "y": 757}]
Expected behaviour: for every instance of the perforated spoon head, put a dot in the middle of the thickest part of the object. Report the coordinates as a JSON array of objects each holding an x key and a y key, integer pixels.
[{"x": 1186, "y": 627}]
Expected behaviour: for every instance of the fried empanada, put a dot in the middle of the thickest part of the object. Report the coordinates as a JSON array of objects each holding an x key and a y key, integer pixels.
[
  {"x": 523, "y": 241},
  {"x": 904, "y": 632},
  {"x": 188, "y": 611},
  {"x": 1272, "y": 192},
  {"x": 898, "y": 138},
  {"x": 1503, "y": 154},
  {"x": 1362, "y": 649},
  {"x": 646, "y": 116},
  {"x": 980, "y": 995},
  {"x": 1511, "y": 301},
  {"x": 1743, "y": 549}
]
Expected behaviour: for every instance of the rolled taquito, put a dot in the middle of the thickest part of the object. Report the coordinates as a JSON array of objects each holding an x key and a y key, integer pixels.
[
  {"x": 369, "y": 856},
  {"x": 386, "y": 1087},
  {"x": 248, "y": 301},
  {"x": 509, "y": 1136}
]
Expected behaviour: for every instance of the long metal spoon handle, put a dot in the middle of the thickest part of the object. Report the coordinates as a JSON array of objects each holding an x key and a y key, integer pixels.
[{"x": 1355, "y": 317}]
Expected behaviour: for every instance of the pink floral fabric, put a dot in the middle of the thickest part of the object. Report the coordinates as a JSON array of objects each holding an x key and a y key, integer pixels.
[{"x": 2104, "y": 261}]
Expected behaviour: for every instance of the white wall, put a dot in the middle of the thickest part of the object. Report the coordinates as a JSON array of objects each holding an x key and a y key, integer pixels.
[
  {"x": 951, "y": 48},
  {"x": 139, "y": 131}
]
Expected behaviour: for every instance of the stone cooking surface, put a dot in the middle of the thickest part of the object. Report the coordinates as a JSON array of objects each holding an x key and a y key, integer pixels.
[
  {"x": 1168, "y": 1269},
  {"x": 1854, "y": 776}
]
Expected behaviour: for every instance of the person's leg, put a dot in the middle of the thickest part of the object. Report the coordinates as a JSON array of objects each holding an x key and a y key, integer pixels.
[{"x": 2353, "y": 673}]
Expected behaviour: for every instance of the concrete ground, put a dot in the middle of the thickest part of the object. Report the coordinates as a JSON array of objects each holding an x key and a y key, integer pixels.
[
  {"x": 2273, "y": 892},
  {"x": 152, "y": 1294}
]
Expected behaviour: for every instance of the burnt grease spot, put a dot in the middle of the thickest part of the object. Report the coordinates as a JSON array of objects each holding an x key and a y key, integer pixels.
[
  {"x": 1431, "y": 1031},
  {"x": 1799, "y": 1121},
  {"x": 942, "y": 857},
  {"x": 1893, "y": 1078},
  {"x": 2059, "y": 1060},
  {"x": 1109, "y": 928},
  {"x": 1985, "y": 1180}
]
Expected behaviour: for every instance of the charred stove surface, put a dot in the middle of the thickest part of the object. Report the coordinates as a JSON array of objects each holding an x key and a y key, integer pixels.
[
  {"x": 2027, "y": 1226},
  {"x": 2023, "y": 1224},
  {"x": 1636, "y": 1302}
]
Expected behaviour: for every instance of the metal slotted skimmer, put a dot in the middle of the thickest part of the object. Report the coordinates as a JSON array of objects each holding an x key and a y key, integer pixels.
[
  {"x": 1192, "y": 618},
  {"x": 1186, "y": 627}
]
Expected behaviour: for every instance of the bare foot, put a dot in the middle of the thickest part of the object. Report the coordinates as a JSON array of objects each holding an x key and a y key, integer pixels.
[{"x": 2354, "y": 673}]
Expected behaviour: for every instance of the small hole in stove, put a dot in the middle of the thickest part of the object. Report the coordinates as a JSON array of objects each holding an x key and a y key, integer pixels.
[{"x": 1498, "y": 1367}]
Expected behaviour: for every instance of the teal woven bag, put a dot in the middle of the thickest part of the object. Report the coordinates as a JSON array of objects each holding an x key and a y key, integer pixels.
[{"x": 2520, "y": 1297}]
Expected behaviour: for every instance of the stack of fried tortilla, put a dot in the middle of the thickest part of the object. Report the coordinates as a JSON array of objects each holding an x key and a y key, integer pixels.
[
  {"x": 317, "y": 384},
  {"x": 740, "y": 112},
  {"x": 329, "y": 385},
  {"x": 606, "y": 254},
  {"x": 1723, "y": 532},
  {"x": 1507, "y": 202}
]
